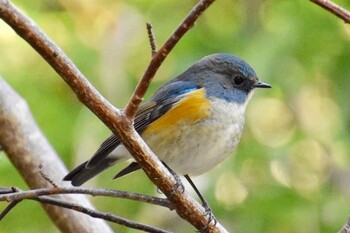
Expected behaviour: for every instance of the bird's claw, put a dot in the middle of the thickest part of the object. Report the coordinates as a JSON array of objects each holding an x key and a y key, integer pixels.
[
  {"x": 178, "y": 185},
  {"x": 211, "y": 217}
]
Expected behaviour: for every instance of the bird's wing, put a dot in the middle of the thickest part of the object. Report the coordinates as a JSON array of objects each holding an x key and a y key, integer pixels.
[{"x": 163, "y": 100}]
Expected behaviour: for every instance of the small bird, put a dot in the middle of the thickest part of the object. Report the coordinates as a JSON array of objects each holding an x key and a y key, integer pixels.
[{"x": 191, "y": 123}]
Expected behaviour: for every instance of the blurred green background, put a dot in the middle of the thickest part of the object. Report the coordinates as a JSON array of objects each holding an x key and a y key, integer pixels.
[{"x": 290, "y": 172}]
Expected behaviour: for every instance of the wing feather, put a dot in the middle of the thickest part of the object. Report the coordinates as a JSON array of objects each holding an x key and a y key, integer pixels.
[{"x": 150, "y": 111}]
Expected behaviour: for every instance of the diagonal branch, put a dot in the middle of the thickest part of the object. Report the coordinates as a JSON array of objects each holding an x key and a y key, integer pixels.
[
  {"x": 159, "y": 57},
  {"x": 8, "y": 209},
  {"x": 334, "y": 9}
]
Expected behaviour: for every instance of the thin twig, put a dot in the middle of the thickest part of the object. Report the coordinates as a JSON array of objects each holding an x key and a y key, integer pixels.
[
  {"x": 18, "y": 195},
  {"x": 46, "y": 177},
  {"x": 334, "y": 9},
  {"x": 8, "y": 209},
  {"x": 37, "y": 194},
  {"x": 4, "y": 190},
  {"x": 152, "y": 39},
  {"x": 12, "y": 204},
  {"x": 98, "y": 214},
  {"x": 160, "y": 56}
]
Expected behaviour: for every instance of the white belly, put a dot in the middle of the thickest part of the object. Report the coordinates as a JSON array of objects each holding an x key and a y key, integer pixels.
[{"x": 195, "y": 149}]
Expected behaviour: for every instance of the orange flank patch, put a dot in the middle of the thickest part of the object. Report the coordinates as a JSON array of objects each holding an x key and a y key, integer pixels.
[{"x": 191, "y": 109}]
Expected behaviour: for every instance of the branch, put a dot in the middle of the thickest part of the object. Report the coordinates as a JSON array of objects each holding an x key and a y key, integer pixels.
[
  {"x": 159, "y": 57},
  {"x": 152, "y": 39},
  {"x": 115, "y": 119},
  {"x": 15, "y": 195},
  {"x": 334, "y": 9},
  {"x": 46, "y": 177},
  {"x": 18, "y": 195},
  {"x": 8, "y": 209},
  {"x": 346, "y": 227},
  {"x": 27, "y": 148},
  {"x": 98, "y": 214}
]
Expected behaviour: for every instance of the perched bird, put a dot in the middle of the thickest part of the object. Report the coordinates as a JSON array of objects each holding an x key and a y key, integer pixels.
[{"x": 191, "y": 123}]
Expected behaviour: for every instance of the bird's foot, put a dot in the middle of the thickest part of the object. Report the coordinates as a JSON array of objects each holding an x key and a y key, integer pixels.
[
  {"x": 211, "y": 217},
  {"x": 178, "y": 185}
]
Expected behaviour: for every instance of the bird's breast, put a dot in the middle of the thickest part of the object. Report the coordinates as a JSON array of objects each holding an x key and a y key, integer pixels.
[{"x": 194, "y": 147}]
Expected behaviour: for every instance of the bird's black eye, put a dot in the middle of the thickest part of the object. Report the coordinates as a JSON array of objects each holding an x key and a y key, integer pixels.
[{"x": 238, "y": 80}]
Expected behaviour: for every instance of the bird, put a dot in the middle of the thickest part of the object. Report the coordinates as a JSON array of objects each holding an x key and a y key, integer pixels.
[{"x": 191, "y": 123}]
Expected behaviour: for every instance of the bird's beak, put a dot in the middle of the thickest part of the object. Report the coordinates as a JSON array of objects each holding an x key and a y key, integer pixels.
[{"x": 261, "y": 85}]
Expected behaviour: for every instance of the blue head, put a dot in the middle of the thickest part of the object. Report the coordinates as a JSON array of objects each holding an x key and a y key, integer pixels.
[{"x": 223, "y": 76}]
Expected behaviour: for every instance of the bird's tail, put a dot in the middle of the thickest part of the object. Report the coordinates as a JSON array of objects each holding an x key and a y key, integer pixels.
[{"x": 83, "y": 173}]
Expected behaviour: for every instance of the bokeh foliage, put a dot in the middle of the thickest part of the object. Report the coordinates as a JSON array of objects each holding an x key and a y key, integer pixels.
[{"x": 290, "y": 171}]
